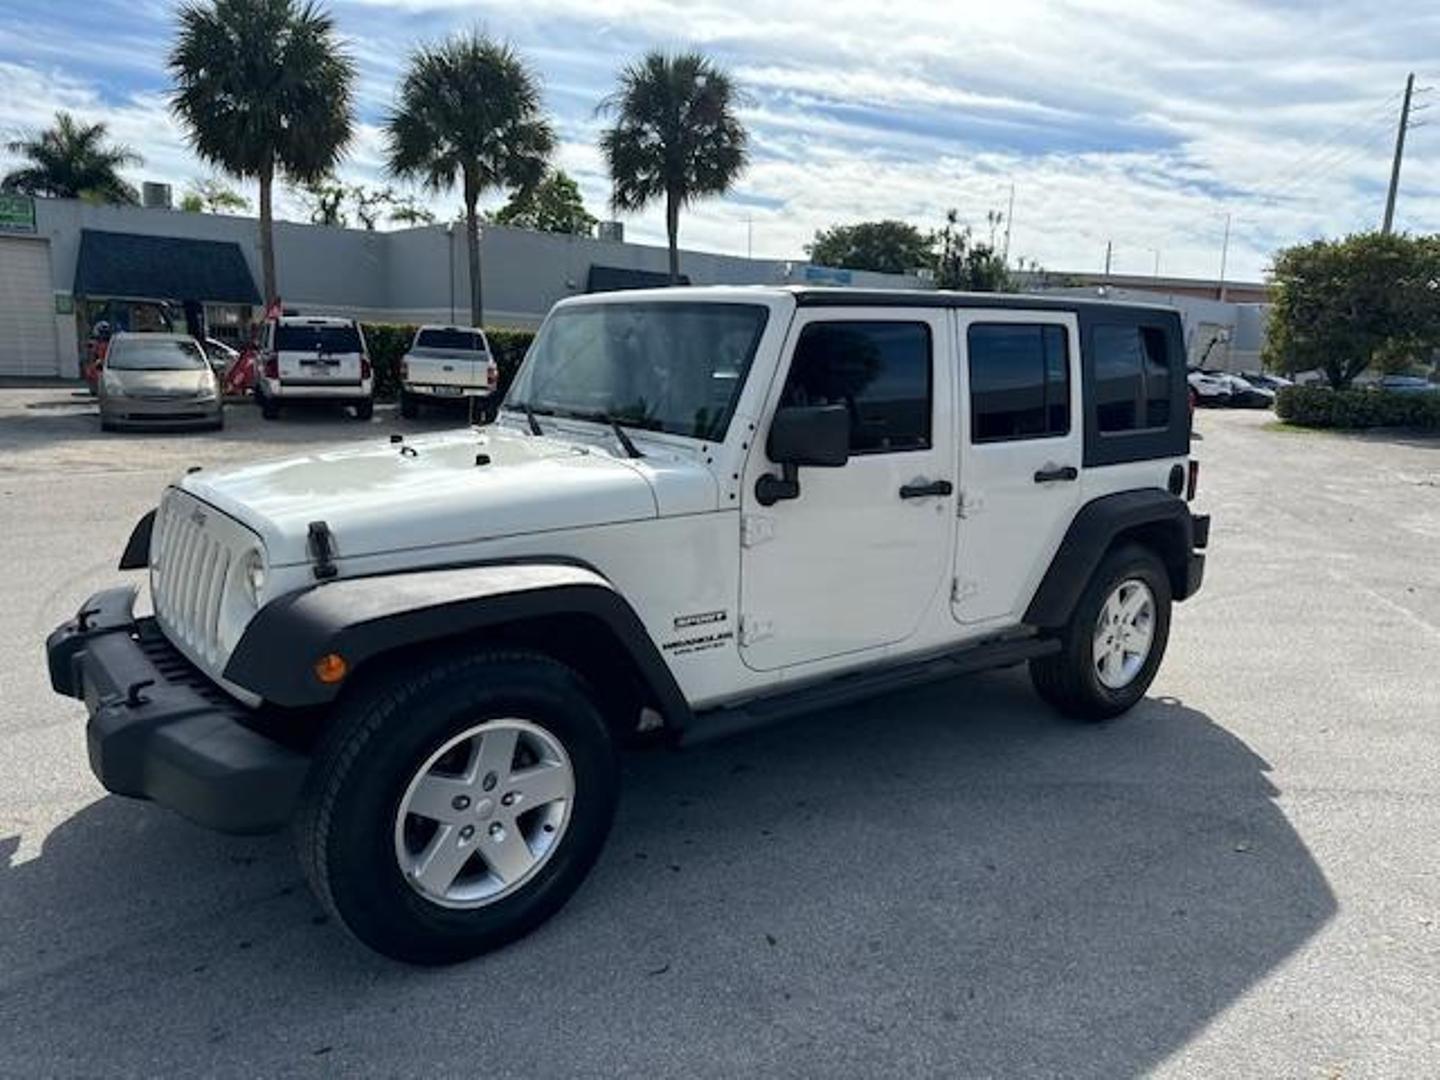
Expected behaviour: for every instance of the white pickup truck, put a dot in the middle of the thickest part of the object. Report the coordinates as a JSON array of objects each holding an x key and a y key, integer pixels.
[
  {"x": 699, "y": 510},
  {"x": 447, "y": 363}
]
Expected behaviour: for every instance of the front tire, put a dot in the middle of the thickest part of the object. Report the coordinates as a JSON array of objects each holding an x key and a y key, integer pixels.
[
  {"x": 1115, "y": 640},
  {"x": 364, "y": 410},
  {"x": 456, "y": 807}
]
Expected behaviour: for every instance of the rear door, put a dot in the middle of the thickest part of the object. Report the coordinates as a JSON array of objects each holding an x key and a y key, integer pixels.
[
  {"x": 1020, "y": 455},
  {"x": 449, "y": 357},
  {"x": 319, "y": 352}
]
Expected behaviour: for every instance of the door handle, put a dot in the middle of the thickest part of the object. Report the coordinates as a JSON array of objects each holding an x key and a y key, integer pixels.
[
  {"x": 1051, "y": 473},
  {"x": 923, "y": 488}
]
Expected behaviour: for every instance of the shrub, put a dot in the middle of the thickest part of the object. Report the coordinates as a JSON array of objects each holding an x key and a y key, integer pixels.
[
  {"x": 1319, "y": 406},
  {"x": 388, "y": 342}
]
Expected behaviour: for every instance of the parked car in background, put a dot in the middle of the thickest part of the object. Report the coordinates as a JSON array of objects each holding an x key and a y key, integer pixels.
[
  {"x": 1407, "y": 384},
  {"x": 447, "y": 363},
  {"x": 222, "y": 357},
  {"x": 1247, "y": 395},
  {"x": 1210, "y": 389},
  {"x": 308, "y": 359},
  {"x": 158, "y": 379},
  {"x": 1264, "y": 380}
]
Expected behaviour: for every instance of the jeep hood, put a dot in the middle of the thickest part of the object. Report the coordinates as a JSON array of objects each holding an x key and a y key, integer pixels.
[{"x": 427, "y": 491}]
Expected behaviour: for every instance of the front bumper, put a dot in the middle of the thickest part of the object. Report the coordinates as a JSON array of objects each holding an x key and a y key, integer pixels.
[
  {"x": 160, "y": 730},
  {"x": 160, "y": 411}
]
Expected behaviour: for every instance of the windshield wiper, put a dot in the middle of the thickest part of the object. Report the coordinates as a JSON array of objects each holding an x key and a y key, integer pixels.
[
  {"x": 534, "y": 425},
  {"x": 631, "y": 450}
]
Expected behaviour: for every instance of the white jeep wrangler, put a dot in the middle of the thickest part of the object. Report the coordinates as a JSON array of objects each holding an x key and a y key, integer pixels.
[{"x": 699, "y": 510}]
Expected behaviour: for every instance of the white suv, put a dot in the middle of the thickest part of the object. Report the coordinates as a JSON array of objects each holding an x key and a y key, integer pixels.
[
  {"x": 311, "y": 358},
  {"x": 447, "y": 363},
  {"x": 700, "y": 510}
]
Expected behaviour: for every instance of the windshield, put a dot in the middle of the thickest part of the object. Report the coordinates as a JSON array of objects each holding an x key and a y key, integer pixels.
[
  {"x": 675, "y": 367},
  {"x": 292, "y": 337},
  {"x": 454, "y": 340},
  {"x": 165, "y": 355}
]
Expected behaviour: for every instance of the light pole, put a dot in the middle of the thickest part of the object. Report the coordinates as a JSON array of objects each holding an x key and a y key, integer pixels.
[{"x": 450, "y": 258}]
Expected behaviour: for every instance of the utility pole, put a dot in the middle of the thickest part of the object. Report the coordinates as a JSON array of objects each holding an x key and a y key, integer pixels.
[
  {"x": 1108, "y": 251},
  {"x": 1009, "y": 217},
  {"x": 1399, "y": 154},
  {"x": 1224, "y": 257},
  {"x": 749, "y": 236}
]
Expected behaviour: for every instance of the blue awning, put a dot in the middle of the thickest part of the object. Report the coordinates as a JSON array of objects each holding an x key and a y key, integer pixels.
[{"x": 136, "y": 267}]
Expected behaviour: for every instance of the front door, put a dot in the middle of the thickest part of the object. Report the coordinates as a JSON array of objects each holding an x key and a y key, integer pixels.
[
  {"x": 856, "y": 560},
  {"x": 1020, "y": 455}
]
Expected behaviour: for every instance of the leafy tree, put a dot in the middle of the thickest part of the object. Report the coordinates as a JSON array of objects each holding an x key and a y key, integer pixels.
[
  {"x": 406, "y": 210},
  {"x": 263, "y": 88},
  {"x": 469, "y": 109},
  {"x": 554, "y": 205},
  {"x": 1343, "y": 305},
  {"x": 887, "y": 247},
  {"x": 676, "y": 137},
  {"x": 324, "y": 201},
  {"x": 212, "y": 196},
  {"x": 71, "y": 161},
  {"x": 967, "y": 264}
]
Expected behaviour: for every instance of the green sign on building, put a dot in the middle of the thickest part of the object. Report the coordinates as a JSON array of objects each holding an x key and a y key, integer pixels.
[{"x": 17, "y": 214}]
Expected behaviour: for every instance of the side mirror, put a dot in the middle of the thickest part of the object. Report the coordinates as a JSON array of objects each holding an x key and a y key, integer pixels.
[{"x": 817, "y": 436}]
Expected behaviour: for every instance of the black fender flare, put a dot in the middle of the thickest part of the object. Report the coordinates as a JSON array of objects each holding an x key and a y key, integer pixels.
[
  {"x": 365, "y": 617},
  {"x": 1161, "y": 519}
]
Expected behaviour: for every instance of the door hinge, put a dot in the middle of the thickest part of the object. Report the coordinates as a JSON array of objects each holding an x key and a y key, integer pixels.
[
  {"x": 756, "y": 529},
  {"x": 753, "y": 629},
  {"x": 960, "y": 591}
]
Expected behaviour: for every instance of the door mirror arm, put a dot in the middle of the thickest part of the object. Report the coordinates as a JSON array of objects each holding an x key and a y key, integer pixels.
[{"x": 770, "y": 489}]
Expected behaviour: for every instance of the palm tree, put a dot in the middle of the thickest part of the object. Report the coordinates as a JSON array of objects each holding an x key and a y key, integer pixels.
[
  {"x": 469, "y": 109},
  {"x": 676, "y": 136},
  {"x": 263, "y": 87},
  {"x": 72, "y": 161}
]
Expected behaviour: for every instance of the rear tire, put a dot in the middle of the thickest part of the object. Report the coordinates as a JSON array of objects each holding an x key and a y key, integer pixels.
[
  {"x": 1115, "y": 640},
  {"x": 409, "y": 407},
  {"x": 269, "y": 409},
  {"x": 364, "y": 410},
  {"x": 368, "y": 855}
]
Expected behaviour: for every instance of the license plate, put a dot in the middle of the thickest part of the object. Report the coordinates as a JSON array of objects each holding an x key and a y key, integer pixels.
[{"x": 448, "y": 391}]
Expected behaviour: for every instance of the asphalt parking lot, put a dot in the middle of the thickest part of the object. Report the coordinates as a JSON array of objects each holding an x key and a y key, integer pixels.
[{"x": 1239, "y": 878}]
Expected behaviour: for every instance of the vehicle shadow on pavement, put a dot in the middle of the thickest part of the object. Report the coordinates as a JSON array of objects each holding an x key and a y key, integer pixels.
[{"x": 947, "y": 881}]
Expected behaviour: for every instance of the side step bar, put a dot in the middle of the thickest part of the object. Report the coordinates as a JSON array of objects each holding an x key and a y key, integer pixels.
[{"x": 723, "y": 722}]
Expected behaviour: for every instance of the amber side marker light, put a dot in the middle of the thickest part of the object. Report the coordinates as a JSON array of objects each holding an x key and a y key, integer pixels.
[{"x": 331, "y": 668}]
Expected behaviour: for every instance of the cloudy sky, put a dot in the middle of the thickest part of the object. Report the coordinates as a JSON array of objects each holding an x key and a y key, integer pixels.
[{"x": 1143, "y": 123}]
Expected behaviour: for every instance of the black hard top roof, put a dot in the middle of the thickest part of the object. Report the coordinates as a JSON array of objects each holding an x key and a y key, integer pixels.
[{"x": 932, "y": 298}]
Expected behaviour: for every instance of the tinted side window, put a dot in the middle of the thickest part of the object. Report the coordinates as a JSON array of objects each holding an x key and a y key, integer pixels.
[
  {"x": 1019, "y": 381},
  {"x": 1132, "y": 378},
  {"x": 880, "y": 372}
]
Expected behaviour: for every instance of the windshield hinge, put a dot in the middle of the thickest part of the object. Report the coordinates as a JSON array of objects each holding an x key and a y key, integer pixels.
[
  {"x": 753, "y": 629},
  {"x": 756, "y": 529}
]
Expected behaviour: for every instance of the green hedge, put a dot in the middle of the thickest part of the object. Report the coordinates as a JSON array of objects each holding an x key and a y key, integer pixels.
[
  {"x": 1319, "y": 406},
  {"x": 388, "y": 342}
]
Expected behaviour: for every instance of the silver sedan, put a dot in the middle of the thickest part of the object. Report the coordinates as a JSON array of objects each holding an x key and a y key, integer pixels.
[{"x": 158, "y": 380}]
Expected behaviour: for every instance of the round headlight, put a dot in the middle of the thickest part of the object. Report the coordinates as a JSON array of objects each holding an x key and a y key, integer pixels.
[{"x": 253, "y": 572}]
